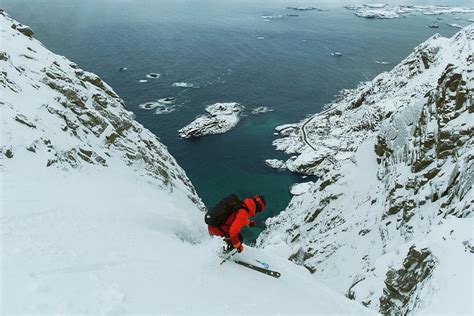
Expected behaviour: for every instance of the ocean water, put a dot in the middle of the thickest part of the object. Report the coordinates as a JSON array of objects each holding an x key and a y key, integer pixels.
[{"x": 229, "y": 53}]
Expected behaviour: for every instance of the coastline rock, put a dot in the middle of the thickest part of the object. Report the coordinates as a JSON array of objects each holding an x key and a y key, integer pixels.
[
  {"x": 220, "y": 118},
  {"x": 276, "y": 164},
  {"x": 301, "y": 188},
  {"x": 24, "y": 29}
]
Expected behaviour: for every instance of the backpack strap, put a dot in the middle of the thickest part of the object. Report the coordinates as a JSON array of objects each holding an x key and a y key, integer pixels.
[{"x": 243, "y": 207}]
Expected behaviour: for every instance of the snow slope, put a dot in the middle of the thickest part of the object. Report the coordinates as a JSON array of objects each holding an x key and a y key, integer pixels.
[
  {"x": 389, "y": 221},
  {"x": 97, "y": 217}
]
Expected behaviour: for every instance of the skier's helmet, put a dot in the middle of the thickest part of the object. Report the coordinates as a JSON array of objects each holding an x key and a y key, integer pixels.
[{"x": 260, "y": 202}]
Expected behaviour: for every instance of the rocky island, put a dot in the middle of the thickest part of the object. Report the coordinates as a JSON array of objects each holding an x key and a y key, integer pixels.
[{"x": 220, "y": 118}]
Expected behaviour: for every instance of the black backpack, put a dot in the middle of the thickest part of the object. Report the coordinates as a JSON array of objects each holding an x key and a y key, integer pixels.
[{"x": 221, "y": 212}]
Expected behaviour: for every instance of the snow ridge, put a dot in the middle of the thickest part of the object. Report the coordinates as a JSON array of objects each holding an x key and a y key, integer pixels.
[{"x": 394, "y": 161}]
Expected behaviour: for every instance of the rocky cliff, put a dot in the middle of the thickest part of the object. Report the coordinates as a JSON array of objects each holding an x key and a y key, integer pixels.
[
  {"x": 389, "y": 220},
  {"x": 69, "y": 118}
]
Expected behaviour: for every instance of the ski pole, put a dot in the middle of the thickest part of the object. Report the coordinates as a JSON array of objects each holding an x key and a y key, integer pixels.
[{"x": 228, "y": 257}]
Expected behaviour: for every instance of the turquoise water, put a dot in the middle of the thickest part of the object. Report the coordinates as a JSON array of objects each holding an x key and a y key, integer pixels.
[{"x": 215, "y": 46}]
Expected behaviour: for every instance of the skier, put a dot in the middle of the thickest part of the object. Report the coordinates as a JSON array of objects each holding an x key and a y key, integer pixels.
[{"x": 231, "y": 215}]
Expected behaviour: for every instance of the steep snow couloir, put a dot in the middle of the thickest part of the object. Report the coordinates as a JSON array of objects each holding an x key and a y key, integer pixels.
[{"x": 97, "y": 217}]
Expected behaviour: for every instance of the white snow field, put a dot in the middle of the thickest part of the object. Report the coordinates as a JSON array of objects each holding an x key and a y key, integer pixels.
[{"x": 97, "y": 217}]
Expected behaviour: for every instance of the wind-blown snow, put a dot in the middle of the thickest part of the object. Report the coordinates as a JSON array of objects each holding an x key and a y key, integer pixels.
[{"x": 97, "y": 217}]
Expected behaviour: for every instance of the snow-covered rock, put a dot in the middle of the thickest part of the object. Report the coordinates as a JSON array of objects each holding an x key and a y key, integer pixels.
[
  {"x": 159, "y": 106},
  {"x": 377, "y": 14},
  {"x": 303, "y": 9},
  {"x": 261, "y": 110},
  {"x": 276, "y": 164},
  {"x": 455, "y": 25},
  {"x": 301, "y": 188},
  {"x": 375, "y": 5},
  {"x": 24, "y": 29},
  {"x": 389, "y": 221},
  {"x": 220, "y": 118},
  {"x": 153, "y": 75},
  {"x": 268, "y": 18},
  {"x": 183, "y": 85},
  {"x": 97, "y": 217},
  {"x": 381, "y": 11}
]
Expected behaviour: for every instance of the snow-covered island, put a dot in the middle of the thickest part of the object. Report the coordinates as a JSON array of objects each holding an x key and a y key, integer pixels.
[
  {"x": 389, "y": 221},
  {"x": 382, "y": 11},
  {"x": 220, "y": 118},
  {"x": 303, "y": 9}
]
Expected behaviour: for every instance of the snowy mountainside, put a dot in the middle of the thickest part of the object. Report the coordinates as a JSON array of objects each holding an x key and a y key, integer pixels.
[
  {"x": 97, "y": 217},
  {"x": 389, "y": 220}
]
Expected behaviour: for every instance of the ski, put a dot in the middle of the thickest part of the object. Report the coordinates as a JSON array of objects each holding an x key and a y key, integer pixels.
[
  {"x": 228, "y": 257},
  {"x": 274, "y": 274}
]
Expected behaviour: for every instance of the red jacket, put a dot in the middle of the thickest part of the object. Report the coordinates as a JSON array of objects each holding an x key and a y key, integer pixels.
[{"x": 235, "y": 222}]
